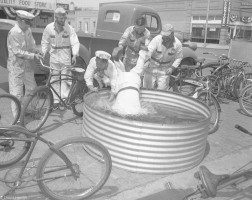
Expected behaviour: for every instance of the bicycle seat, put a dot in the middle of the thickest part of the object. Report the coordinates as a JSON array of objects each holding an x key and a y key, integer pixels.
[{"x": 210, "y": 181}]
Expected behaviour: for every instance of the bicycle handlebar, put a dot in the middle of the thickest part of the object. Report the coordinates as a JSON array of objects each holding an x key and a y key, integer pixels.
[{"x": 71, "y": 67}]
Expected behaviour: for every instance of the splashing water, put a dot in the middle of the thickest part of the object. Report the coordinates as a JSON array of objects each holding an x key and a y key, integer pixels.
[{"x": 149, "y": 112}]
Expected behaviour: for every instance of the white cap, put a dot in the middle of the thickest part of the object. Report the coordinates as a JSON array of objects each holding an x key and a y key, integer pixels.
[
  {"x": 167, "y": 29},
  {"x": 24, "y": 15},
  {"x": 60, "y": 10},
  {"x": 102, "y": 55}
]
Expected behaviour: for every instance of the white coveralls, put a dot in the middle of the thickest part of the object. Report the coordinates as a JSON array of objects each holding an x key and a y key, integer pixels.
[
  {"x": 108, "y": 77},
  {"x": 60, "y": 46},
  {"x": 161, "y": 59},
  {"x": 133, "y": 43},
  {"x": 21, "y": 47}
]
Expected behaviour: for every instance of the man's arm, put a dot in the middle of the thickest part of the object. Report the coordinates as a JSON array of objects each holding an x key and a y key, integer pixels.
[
  {"x": 45, "y": 42},
  {"x": 178, "y": 56},
  {"x": 75, "y": 44},
  {"x": 123, "y": 40},
  {"x": 89, "y": 74},
  {"x": 14, "y": 44}
]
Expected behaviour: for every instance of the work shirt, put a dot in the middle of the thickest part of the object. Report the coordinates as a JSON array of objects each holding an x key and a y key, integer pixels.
[
  {"x": 107, "y": 76},
  {"x": 60, "y": 44},
  {"x": 21, "y": 47},
  {"x": 134, "y": 41},
  {"x": 161, "y": 57}
]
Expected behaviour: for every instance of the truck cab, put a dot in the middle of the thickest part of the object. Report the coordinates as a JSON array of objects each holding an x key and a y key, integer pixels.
[{"x": 113, "y": 19}]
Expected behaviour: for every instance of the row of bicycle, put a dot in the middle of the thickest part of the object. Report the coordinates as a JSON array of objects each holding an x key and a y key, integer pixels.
[{"x": 74, "y": 168}]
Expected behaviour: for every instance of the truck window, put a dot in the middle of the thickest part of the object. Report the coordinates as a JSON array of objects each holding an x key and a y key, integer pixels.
[
  {"x": 112, "y": 16},
  {"x": 151, "y": 22}
]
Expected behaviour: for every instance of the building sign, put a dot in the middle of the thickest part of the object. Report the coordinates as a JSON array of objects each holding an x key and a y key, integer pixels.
[
  {"x": 65, "y": 6},
  {"x": 226, "y": 13},
  {"x": 34, "y": 4}
]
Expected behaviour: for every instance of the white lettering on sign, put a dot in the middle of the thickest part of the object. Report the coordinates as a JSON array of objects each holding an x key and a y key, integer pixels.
[
  {"x": 24, "y": 3},
  {"x": 38, "y": 4},
  {"x": 7, "y": 2}
]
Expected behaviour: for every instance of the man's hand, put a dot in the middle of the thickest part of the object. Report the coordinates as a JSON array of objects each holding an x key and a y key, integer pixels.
[
  {"x": 169, "y": 70},
  {"x": 112, "y": 97},
  {"x": 92, "y": 88},
  {"x": 74, "y": 60},
  {"x": 38, "y": 56}
]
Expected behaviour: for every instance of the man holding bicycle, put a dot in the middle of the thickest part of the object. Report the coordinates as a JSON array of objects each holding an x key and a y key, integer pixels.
[
  {"x": 22, "y": 50},
  {"x": 61, "y": 41}
]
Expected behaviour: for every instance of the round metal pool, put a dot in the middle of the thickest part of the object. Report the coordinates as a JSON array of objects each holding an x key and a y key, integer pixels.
[{"x": 157, "y": 147}]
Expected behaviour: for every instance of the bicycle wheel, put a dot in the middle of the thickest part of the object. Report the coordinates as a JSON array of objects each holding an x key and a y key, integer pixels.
[
  {"x": 245, "y": 100},
  {"x": 12, "y": 150},
  {"x": 76, "y": 96},
  {"x": 241, "y": 83},
  {"x": 91, "y": 163},
  {"x": 10, "y": 109},
  {"x": 214, "y": 107},
  {"x": 37, "y": 108},
  {"x": 214, "y": 84}
]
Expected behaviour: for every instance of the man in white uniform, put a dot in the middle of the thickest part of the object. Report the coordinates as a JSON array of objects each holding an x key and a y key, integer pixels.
[
  {"x": 61, "y": 41},
  {"x": 22, "y": 51}
]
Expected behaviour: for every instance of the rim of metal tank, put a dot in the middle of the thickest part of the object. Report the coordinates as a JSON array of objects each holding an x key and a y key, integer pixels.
[{"x": 142, "y": 90}]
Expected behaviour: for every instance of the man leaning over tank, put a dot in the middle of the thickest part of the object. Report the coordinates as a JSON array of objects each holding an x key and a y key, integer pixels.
[
  {"x": 135, "y": 38},
  {"x": 163, "y": 56},
  {"x": 22, "y": 50},
  {"x": 105, "y": 71},
  {"x": 61, "y": 41}
]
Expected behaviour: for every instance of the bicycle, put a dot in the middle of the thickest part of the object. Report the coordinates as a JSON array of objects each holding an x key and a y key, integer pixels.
[
  {"x": 39, "y": 103},
  {"x": 74, "y": 168},
  {"x": 198, "y": 87},
  {"x": 245, "y": 100},
  {"x": 10, "y": 109},
  {"x": 211, "y": 183},
  {"x": 230, "y": 74}
]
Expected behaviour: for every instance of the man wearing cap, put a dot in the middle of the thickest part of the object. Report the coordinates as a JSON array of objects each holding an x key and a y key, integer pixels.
[
  {"x": 103, "y": 70},
  {"x": 164, "y": 55},
  {"x": 22, "y": 50},
  {"x": 134, "y": 38},
  {"x": 62, "y": 43}
]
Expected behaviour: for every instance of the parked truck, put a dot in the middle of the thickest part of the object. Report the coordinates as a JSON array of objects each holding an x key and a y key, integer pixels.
[{"x": 112, "y": 21}]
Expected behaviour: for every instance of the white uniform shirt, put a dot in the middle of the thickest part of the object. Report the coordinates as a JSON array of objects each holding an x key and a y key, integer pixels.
[
  {"x": 60, "y": 44},
  {"x": 109, "y": 75}
]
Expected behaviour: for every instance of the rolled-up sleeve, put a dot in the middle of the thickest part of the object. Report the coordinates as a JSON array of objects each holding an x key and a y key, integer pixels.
[
  {"x": 89, "y": 74},
  {"x": 14, "y": 45},
  {"x": 123, "y": 39},
  {"x": 178, "y": 56},
  {"x": 75, "y": 44},
  {"x": 45, "y": 42}
]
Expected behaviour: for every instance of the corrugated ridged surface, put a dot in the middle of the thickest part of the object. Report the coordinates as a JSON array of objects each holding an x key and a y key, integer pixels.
[{"x": 148, "y": 147}]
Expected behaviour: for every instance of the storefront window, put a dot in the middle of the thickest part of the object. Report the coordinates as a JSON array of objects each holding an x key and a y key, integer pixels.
[{"x": 213, "y": 33}]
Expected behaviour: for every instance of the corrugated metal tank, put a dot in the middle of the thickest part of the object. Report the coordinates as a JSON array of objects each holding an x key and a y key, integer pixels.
[{"x": 148, "y": 147}]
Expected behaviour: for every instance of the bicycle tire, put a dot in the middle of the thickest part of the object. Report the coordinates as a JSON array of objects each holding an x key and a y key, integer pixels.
[
  {"x": 241, "y": 82},
  {"x": 204, "y": 97},
  {"x": 245, "y": 100},
  {"x": 51, "y": 161},
  {"x": 9, "y": 103},
  {"x": 12, "y": 151},
  {"x": 77, "y": 96},
  {"x": 30, "y": 115}
]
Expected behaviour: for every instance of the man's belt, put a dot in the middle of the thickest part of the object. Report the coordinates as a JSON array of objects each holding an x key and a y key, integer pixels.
[
  {"x": 132, "y": 49},
  {"x": 161, "y": 63}
]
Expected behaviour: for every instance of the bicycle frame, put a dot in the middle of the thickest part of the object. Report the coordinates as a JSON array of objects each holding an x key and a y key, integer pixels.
[{"x": 33, "y": 138}]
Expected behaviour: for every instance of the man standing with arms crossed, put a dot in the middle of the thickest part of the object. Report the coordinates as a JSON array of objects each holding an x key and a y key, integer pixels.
[
  {"x": 61, "y": 41},
  {"x": 22, "y": 50}
]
